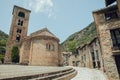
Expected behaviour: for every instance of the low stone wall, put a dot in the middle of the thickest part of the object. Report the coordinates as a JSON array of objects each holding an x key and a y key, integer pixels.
[
  {"x": 18, "y": 72},
  {"x": 67, "y": 77}
]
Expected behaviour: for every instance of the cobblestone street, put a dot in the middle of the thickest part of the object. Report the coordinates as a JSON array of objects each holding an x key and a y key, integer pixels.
[{"x": 89, "y": 74}]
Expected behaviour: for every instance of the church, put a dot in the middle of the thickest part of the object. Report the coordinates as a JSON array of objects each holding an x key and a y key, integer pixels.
[{"x": 40, "y": 48}]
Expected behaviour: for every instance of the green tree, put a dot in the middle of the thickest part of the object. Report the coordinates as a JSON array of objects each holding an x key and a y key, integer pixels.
[
  {"x": 1, "y": 58},
  {"x": 15, "y": 54},
  {"x": 71, "y": 46}
]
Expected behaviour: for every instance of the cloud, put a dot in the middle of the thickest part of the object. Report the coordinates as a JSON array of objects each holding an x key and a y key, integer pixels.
[{"x": 41, "y": 6}]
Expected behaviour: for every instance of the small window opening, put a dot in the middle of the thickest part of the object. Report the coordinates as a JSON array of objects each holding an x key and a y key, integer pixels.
[
  {"x": 21, "y": 14},
  {"x": 94, "y": 65},
  {"x": 18, "y": 38},
  {"x": 19, "y": 30},
  {"x": 93, "y": 56},
  {"x": 111, "y": 15},
  {"x": 93, "y": 59},
  {"x": 50, "y": 47},
  {"x": 20, "y": 22}
]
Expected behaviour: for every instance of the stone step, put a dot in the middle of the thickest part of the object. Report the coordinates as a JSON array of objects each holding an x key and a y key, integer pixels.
[
  {"x": 56, "y": 76},
  {"x": 18, "y": 72}
]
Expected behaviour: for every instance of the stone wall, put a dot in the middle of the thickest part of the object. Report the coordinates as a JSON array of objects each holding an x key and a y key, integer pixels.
[
  {"x": 25, "y": 52},
  {"x": 39, "y": 55},
  {"x": 85, "y": 54},
  {"x": 74, "y": 60},
  {"x": 13, "y": 30},
  {"x": 103, "y": 31},
  {"x": 94, "y": 47}
]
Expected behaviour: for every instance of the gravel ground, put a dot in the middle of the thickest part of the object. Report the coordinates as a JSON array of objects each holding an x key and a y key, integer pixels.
[
  {"x": 89, "y": 74},
  {"x": 8, "y": 71}
]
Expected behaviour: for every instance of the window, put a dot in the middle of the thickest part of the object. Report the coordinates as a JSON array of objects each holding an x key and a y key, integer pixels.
[
  {"x": 73, "y": 63},
  {"x": 19, "y": 30},
  {"x": 93, "y": 56},
  {"x": 84, "y": 57},
  {"x": 50, "y": 47},
  {"x": 98, "y": 63},
  {"x": 111, "y": 15},
  {"x": 115, "y": 35},
  {"x": 21, "y": 14},
  {"x": 97, "y": 56},
  {"x": 97, "y": 59},
  {"x": 93, "y": 59},
  {"x": 20, "y": 22},
  {"x": 18, "y": 38},
  {"x": 94, "y": 64}
]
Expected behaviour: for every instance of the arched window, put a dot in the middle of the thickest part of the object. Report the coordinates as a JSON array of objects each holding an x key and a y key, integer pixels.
[
  {"x": 50, "y": 47},
  {"x": 21, "y": 14},
  {"x": 18, "y": 38}
]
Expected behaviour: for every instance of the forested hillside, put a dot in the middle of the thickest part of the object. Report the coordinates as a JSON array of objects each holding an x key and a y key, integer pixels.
[
  {"x": 3, "y": 41},
  {"x": 79, "y": 38}
]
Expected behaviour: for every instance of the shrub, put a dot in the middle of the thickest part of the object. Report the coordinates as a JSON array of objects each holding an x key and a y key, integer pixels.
[{"x": 15, "y": 54}]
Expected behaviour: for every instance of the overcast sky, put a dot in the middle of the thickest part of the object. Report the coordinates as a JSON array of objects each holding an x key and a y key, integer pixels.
[{"x": 61, "y": 17}]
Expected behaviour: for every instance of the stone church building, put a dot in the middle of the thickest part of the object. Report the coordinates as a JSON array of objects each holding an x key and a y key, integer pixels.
[{"x": 40, "y": 48}]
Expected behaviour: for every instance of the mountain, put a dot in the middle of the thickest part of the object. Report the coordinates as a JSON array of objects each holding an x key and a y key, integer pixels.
[
  {"x": 3, "y": 41},
  {"x": 3, "y": 35},
  {"x": 79, "y": 38}
]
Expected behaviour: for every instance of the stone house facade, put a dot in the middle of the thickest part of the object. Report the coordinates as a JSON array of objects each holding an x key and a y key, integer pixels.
[
  {"x": 40, "y": 48},
  {"x": 83, "y": 54},
  {"x": 95, "y": 58},
  {"x": 90, "y": 55},
  {"x": 107, "y": 22},
  {"x": 66, "y": 57},
  {"x": 103, "y": 52},
  {"x": 74, "y": 60},
  {"x": 69, "y": 59}
]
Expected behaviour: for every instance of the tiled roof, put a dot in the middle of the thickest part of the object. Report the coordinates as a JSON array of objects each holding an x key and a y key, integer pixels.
[{"x": 43, "y": 32}]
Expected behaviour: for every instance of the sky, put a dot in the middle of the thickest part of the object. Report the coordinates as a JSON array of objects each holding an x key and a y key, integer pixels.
[{"x": 61, "y": 17}]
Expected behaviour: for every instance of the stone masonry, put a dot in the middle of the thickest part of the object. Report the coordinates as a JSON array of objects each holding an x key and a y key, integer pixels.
[
  {"x": 18, "y": 30},
  {"x": 40, "y": 48},
  {"x": 107, "y": 20}
]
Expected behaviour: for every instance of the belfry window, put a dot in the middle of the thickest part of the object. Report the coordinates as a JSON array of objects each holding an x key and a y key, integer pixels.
[
  {"x": 21, "y": 14},
  {"x": 18, "y": 38},
  {"x": 20, "y": 22},
  {"x": 19, "y": 30}
]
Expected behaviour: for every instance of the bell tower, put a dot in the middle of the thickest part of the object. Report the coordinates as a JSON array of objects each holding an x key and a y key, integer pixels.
[{"x": 18, "y": 30}]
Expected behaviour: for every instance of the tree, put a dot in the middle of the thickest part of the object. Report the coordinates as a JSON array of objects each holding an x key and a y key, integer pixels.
[
  {"x": 15, "y": 54},
  {"x": 2, "y": 58},
  {"x": 71, "y": 46}
]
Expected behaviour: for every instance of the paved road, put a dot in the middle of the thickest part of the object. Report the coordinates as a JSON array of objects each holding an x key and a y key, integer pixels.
[{"x": 89, "y": 74}]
